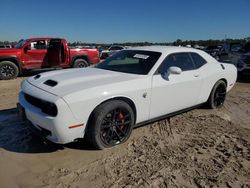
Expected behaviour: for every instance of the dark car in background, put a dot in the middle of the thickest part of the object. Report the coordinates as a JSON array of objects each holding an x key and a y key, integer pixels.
[
  {"x": 237, "y": 54},
  {"x": 214, "y": 50}
]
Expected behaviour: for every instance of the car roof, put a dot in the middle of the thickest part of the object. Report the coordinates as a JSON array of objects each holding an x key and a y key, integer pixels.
[
  {"x": 166, "y": 49},
  {"x": 45, "y": 38}
]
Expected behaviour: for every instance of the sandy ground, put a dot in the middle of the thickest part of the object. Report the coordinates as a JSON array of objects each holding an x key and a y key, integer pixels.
[{"x": 200, "y": 148}]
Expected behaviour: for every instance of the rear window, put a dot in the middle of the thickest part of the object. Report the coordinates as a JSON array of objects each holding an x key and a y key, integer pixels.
[{"x": 198, "y": 60}]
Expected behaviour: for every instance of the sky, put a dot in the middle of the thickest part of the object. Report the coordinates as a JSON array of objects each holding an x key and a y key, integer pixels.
[{"x": 109, "y": 21}]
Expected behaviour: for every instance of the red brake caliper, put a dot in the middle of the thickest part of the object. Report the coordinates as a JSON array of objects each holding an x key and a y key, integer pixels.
[{"x": 121, "y": 118}]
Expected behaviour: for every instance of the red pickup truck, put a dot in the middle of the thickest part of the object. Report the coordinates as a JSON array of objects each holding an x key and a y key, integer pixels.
[{"x": 38, "y": 53}]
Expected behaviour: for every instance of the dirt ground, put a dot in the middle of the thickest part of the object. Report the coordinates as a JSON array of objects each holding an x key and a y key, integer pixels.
[{"x": 200, "y": 148}]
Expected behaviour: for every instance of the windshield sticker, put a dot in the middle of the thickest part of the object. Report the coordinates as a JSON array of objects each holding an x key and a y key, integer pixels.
[{"x": 141, "y": 56}]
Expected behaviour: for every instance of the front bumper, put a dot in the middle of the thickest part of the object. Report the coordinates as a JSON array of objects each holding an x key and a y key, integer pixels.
[{"x": 58, "y": 129}]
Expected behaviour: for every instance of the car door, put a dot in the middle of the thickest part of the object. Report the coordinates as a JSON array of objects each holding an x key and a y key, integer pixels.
[
  {"x": 35, "y": 54},
  {"x": 177, "y": 91}
]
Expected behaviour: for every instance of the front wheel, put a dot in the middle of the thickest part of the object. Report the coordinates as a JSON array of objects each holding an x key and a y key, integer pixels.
[
  {"x": 218, "y": 95},
  {"x": 111, "y": 124},
  {"x": 8, "y": 70}
]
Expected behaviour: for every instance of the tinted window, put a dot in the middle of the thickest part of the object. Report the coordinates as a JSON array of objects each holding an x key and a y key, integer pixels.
[
  {"x": 198, "y": 60},
  {"x": 130, "y": 61},
  {"x": 181, "y": 60},
  {"x": 21, "y": 43},
  {"x": 38, "y": 45}
]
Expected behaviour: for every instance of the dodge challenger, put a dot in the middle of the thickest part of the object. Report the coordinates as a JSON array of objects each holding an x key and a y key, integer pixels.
[{"x": 133, "y": 87}]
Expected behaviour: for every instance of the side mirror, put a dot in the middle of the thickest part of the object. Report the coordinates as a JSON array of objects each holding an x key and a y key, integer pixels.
[
  {"x": 174, "y": 70},
  {"x": 171, "y": 70},
  {"x": 26, "y": 48}
]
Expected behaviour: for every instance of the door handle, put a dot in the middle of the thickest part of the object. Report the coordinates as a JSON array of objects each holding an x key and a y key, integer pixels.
[{"x": 196, "y": 75}]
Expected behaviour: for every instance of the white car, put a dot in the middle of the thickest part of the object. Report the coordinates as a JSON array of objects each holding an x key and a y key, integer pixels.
[
  {"x": 110, "y": 51},
  {"x": 133, "y": 87}
]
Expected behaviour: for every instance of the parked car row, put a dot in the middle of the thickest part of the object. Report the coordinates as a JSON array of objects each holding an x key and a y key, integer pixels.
[{"x": 234, "y": 53}]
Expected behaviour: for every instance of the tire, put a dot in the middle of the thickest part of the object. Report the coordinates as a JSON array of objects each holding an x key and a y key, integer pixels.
[
  {"x": 8, "y": 70},
  {"x": 218, "y": 95},
  {"x": 80, "y": 63},
  {"x": 110, "y": 124}
]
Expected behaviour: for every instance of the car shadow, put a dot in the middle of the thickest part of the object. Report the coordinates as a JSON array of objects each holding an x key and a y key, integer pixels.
[{"x": 15, "y": 136}]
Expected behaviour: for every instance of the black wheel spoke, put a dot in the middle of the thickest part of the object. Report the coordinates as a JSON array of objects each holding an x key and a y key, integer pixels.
[
  {"x": 120, "y": 130},
  {"x": 123, "y": 123},
  {"x": 118, "y": 136},
  {"x": 107, "y": 125},
  {"x": 107, "y": 120},
  {"x": 115, "y": 113},
  {"x": 109, "y": 135}
]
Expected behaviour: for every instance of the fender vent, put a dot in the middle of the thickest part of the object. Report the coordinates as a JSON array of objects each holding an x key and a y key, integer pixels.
[
  {"x": 222, "y": 66},
  {"x": 51, "y": 83}
]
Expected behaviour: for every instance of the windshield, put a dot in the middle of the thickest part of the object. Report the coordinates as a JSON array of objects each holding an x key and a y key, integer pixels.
[
  {"x": 131, "y": 61},
  {"x": 21, "y": 43}
]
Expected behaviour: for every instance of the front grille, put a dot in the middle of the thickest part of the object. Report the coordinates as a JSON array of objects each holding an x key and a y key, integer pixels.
[{"x": 46, "y": 107}]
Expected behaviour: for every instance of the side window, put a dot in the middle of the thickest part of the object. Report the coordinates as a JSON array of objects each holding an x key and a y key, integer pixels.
[
  {"x": 181, "y": 60},
  {"x": 38, "y": 45},
  {"x": 198, "y": 60}
]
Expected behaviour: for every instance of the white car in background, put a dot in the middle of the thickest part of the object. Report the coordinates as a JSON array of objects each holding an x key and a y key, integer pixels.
[
  {"x": 110, "y": 51},
  {"x": 131, "y": 88}
]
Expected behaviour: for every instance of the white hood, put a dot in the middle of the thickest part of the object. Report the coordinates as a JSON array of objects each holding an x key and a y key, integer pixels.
[{"x": 74, "y": 80}]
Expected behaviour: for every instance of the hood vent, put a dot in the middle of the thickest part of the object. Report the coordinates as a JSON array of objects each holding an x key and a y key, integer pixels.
[
  {"x": 51, "y": 83},
  {"x": 37, "y": 76}
]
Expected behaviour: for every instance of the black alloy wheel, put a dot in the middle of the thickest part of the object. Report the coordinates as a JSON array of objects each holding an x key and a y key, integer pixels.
[
  {"x": 218, "y": 95},
  {"x": 110, "y": 124},
  {"x": 115, "y": 127}
]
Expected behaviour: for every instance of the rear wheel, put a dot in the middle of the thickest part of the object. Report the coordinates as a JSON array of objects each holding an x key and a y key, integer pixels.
[
  {"x": 8, "y": 70},
  {"x": 218, "y": 95},
  {"x": 80, "y": 63},
  {"x": 111, "y": 124}
]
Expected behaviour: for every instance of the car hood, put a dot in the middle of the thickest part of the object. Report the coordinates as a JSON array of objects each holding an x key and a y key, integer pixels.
[
  {"x": 64, "y": 82},
  {"x": 9, "y": 51}
]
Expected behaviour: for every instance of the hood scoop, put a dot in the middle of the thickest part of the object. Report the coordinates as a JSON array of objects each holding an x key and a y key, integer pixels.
[
  {"x": 50, "y": 83},
  {"x": 37, "y": 76}
]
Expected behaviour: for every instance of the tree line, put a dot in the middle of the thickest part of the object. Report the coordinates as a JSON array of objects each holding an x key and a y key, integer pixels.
[{"x": 178, "y": 42}]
